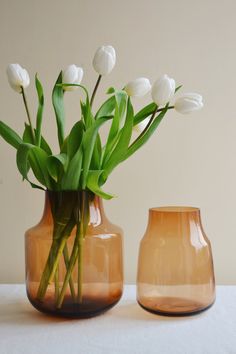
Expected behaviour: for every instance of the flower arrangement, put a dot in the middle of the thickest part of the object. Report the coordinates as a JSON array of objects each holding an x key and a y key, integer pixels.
[{"x": 82, "y": 163}]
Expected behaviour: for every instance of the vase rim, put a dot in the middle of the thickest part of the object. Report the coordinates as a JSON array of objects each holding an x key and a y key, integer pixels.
[{"x": 175, "y": 209}]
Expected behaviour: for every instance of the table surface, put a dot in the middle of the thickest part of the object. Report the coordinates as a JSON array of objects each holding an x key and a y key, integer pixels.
[{"x": 126, "y": 328}]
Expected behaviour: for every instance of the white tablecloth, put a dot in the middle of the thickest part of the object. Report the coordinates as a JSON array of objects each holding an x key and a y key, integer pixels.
[{"x": 126, "y": 328}]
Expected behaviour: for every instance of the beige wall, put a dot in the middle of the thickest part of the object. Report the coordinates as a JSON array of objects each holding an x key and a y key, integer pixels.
[{"x": 191, "y": 160}]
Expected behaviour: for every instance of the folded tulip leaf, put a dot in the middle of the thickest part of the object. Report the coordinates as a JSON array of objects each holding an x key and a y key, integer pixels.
[
  {"x": 37, "y": 158},
  {"x": 9, "y": 135},
  {"x": 93, "y": 184},
  {"x": 57, "y": 100},
  {"x": 57, "y": 165}
]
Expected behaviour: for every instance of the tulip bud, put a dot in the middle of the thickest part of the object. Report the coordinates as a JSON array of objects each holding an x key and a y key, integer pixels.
[
  {"x": 72, "y": 75},
  {"x": 162, "y": 90},
  {"x": 188, "y": 103},
  {"x": 104, "y": 60},
  {"x": 138, "y": 87},
  {"x": 17, "y": 77}
]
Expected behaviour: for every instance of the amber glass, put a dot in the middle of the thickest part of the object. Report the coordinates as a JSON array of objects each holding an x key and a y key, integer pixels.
[
  {"x": 101, "y": 265},
  {"x": 175, "y": 267}
]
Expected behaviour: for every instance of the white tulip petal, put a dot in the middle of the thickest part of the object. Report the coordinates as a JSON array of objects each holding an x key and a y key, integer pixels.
[
  {"x": 17, "y": 77},
  {"x": 163, "y": 90},
  {"x": 188, "y": 103},
  {"x": 72, "y": 75},
  {"x": 104, "y": 60},
  {"x": 138, "y": 87}
]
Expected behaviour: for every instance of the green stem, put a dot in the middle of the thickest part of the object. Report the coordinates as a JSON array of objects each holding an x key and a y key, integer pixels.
[
  {"x": 70, "y": 268},
  {"x": 95, "y": 90},
  {"x": 66, "y": 260},
  {"x": 56, "y": 283},
  {"x": 28, "y": 115},
  {"x": 54, "y": 254},
  {"x": 77, "y": 251}
]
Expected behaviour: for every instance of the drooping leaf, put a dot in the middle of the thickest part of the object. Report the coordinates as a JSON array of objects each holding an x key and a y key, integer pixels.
[
  {"x": 75, "y": 138},
  {"x": 37, "y": 159},
  {"x": 58, "y": 104},
  {"x": 56, "y": 165},
  {"x": 9, "y": 135},
  {"x": 144, "y": 113},
  {"x": 39, "y": 89},
  {"x": 93, "y": 184}
]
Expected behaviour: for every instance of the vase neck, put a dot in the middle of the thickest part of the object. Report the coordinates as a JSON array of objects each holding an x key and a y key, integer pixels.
[
  {"x": 173, "y": 221},
  {"x": 96, "y": 209}
]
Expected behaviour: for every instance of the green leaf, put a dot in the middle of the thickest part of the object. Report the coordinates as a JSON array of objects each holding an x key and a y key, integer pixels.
[
  {"x": 93, "y": 184},
  {"x": 121, "y": 147},
  {"x": 144, "y": 113},
  {"x": 75, "y": 138},
  {"x": 39, "y": 89},
  {"x": 58, "y": 104},
  {"x": 121, "y": 99},
  {"x": 106, "y": 108},
  {"x": 71, "y": 180},
  {"x": 97, "y": 154},
  {"x": 37, "y": 158},
  {"x": 9, "y": 135},
  {"x": 56, "y": 165},
  {"x": 111, "y": 90},
  {"x": 144, "y": 138},
  {"x": 27, "y": 138},
  {"x": 88, "y": 146},
  {"x": 87, "y": 113}
]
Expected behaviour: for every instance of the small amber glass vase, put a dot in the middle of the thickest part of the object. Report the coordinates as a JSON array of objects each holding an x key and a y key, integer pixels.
[
  {"x": 69, "y": 275},
  {"x": 175, "y": 267}
]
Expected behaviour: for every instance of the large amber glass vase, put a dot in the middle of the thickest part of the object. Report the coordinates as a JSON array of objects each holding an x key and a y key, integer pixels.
[
  {"x": 175, "y": 268},
  {"x": 74, "y": 257}
]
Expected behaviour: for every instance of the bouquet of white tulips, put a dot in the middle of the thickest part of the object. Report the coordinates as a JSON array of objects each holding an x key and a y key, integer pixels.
[{"x": 82, "y": 164}]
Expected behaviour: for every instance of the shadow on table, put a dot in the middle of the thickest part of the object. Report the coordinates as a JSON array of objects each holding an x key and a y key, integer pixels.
[
  {"x": 134, "y": 312},
  {"x": 22, "y": 312}
]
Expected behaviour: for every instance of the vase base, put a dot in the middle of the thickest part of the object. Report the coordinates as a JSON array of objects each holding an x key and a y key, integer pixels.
[
  {"x": 88, "y": 308},
  {"x": 177, "y": 312}
]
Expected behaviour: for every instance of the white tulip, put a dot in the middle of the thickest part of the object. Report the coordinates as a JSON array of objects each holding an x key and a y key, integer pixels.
[
  {"x": 72, "y": 75},
  {"x": 138, "y": 87},
  {"x": 162, "y": 90},
  {"x": 188, "y": 103},
  {"x": 17, "y": 77},
  {"x": 104, "y": 60}
]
